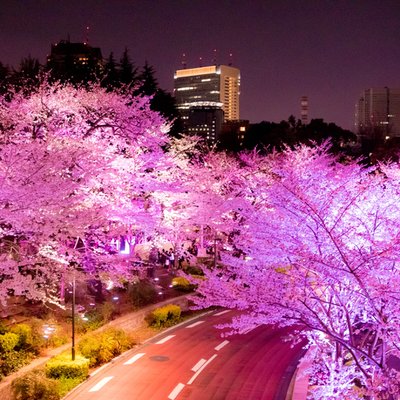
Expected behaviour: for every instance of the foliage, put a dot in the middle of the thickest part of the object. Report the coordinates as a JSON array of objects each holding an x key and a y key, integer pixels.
[
  {"x": 142, "y": 293},
  {"x": 24, "y": 333},
  {"x": 72, "y": 162},
  {"x": 101, "y": 347},
  {"x": 13, "y": 360},
  {"x": 182, "y": 284},
  {"x": 62, "y": 366},
  {"x": 35, "y": 386},
  {"x": 65, "y": 385},
  {"x": 164, "y": 316},
  {"x": 95, "y": 318},
  {"x": 334, "y": 229},
  {"x": 194, "y": 270},
  {"x": 8, "y": 342}
]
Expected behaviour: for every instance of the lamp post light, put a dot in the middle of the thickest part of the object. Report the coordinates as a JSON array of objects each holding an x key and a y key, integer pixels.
[{"x": 73, "y": 320}]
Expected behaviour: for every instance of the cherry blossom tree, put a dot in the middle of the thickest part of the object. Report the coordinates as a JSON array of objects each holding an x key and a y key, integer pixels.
[
  {"x": 75, "y": 166},
  {"x": 322, "y": 249}
]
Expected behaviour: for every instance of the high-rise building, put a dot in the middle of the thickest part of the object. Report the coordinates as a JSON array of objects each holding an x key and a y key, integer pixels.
[
  {"x": 213, "y": 84},
  {"x": 76, "y": 61},
  {"x": 378, "y": 110},
  {"x": 304, "y": 110}
]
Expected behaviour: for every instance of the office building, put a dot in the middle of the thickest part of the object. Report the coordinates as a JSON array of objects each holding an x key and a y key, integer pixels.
[
  {"x": 378, "y": 110},
  {"x": 205, "y": 120},
  {"x": 76, "y": 61},
  {"x": 213, "y": 84}
]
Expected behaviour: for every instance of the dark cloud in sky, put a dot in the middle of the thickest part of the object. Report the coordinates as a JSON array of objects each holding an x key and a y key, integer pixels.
[{"x": 327, "y": 50}]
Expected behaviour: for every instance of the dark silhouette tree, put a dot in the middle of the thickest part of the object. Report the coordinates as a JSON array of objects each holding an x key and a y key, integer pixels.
[
  {"x": 127, "y": 70},
  {"x": 110, "y": 76}
]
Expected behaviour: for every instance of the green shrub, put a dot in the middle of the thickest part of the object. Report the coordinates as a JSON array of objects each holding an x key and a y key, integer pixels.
[
  {"x": 8, "y": 342},
  {"x": 182, "y": 284},
  {"x": 95, "y": 318},
  {"x": 65, "y": 385},
  {"x": 194, "y": 270},
  {"x": 25, "y": 337},
  {"x": 101, "y": 347},
  {"x": 62, "y": 366},
  {"x": 38, "y": 341},
  {"x": 35, "y": 386},
  {"x": 142, "y": 293},
  {"x": 164, "y": 316},
  {"x": 12, "y": 361}
]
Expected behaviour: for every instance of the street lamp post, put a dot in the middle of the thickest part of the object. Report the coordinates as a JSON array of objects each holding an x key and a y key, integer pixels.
[{"x": 73, "y": 320}]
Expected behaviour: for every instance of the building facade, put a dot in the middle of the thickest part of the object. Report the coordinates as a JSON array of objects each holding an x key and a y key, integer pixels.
[
  {"x": 378, "y": 110},
  {"x": 74, "y": 61},
  {"x": 212, "y": 84},
  {"x": 205, "y": 120}
]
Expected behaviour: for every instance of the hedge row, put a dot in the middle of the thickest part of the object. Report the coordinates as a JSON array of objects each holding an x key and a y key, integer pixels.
[{"x": 164, "y": 316}]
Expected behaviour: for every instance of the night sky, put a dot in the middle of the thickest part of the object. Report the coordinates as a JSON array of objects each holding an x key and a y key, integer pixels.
[{"x": 327, "y": 50}]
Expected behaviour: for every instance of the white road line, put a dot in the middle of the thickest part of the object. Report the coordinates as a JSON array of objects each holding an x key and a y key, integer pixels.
[
  {"x": 100, "y": 384},
  {"x": 221, "y": 345},
  {"x": 248, "y": 330},
  {"x": 176, "y": 391},
  {"x": 201, "y": 369},
  {"x": 221, "y": 313},
  {"x": 165, "y": 339},
  {"x": 195, "y": 324},
  {"x": 134, "y": 358},
  {"x": 198, "y": 365}
]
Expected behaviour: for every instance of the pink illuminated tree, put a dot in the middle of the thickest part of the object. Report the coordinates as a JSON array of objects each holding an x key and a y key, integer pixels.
[
  {"x": 75, "y": 167},
  {"x": 322, "y": 254}
]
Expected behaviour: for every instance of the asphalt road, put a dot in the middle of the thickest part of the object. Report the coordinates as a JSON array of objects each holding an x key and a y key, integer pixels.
[{"x": 194, "y": 362}]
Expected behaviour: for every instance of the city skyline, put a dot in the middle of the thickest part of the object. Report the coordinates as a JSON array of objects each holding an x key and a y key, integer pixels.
[{"x": 328, "y": 51}]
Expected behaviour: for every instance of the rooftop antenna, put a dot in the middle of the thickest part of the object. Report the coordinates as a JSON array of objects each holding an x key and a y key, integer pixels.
[
  {"x": 87, "y": 34},
  {"x": 184, "y": 64},
  {"x": 200, "y": 61},
  {"x": 215, "y": 57},
  {"x": 230, "y": 59}
]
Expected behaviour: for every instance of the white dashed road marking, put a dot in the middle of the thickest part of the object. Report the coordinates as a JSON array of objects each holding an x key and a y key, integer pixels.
[
  {"x": 195, "y": 324},
  {"x": 100, "y": 384},
  {"x": 201, "y": 369},
  {"x": 221, "y": 313},
  {"x": 134, "y": 358},
  {"x": 176, "y": 391},
  {"x": 221, "y": 345},
  {"x": 165, "y": 339},
  {"x": 198, "y": 365}
]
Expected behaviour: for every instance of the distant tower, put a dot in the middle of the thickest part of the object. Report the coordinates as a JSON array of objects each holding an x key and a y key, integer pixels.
[
  {"x": 304, "y": 110},
  {"x": 184, "y": 64}
]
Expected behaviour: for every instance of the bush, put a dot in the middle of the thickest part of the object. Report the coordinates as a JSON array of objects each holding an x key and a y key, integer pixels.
[
  {"x": 8, "y": 342},
  {"x": 164, "y": 316},
  {"x": 142, "y": 293},
  {"x": 194, "y": 270},
  {"x": 101, "y": 347},
  {"x": 95, "y": 318},
  {"x": 35, "y": 386},
  {"x": 13, "y": 360},
  {"x": 38, "y": 341},
  {"x": 62, "y": 366},
  {"x": 65, "y": 385},
  {"x": 25, "y": 337},
  {"x": 182, "y": 284}
]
